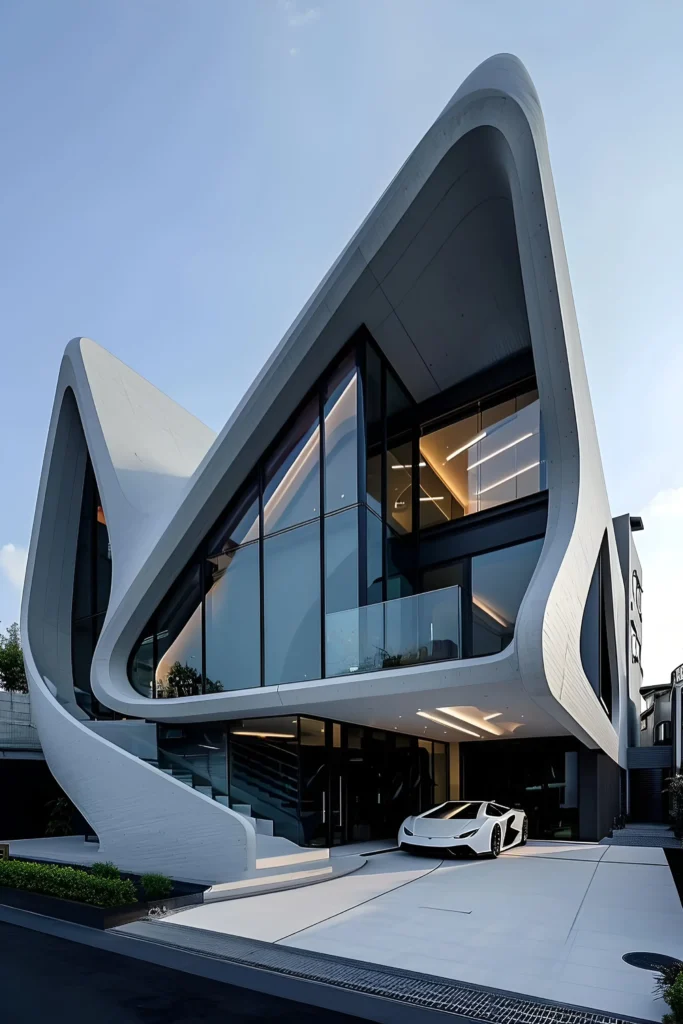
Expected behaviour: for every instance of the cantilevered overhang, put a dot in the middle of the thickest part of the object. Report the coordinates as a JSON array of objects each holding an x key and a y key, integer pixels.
[{"x": 459, "y": 266}]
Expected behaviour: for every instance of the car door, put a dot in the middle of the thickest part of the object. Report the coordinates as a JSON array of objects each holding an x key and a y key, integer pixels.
[{"x": 512, "y": 827}]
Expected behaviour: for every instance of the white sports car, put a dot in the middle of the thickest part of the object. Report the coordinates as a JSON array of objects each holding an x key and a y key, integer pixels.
[{"x": 478, "y": 827}]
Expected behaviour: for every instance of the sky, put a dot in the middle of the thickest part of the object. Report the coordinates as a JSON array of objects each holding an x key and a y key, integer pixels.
[{"x": 167, "y": 163}]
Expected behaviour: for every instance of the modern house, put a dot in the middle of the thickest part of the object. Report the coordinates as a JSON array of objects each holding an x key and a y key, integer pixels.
[{"x": 392, "y": 578}]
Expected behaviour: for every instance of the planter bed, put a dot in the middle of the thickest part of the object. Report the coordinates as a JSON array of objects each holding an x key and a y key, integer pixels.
[
  {"x": 85, "y": 913},
  {"x": 183, "y": 894}
]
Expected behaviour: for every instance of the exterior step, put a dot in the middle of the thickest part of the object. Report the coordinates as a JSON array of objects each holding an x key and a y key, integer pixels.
[
  {"x": 221, "y": 799},
  {"x": 204, "y": 790},
  {"x": 264, "y": 827},
  {"x": 244, "y": 809}
]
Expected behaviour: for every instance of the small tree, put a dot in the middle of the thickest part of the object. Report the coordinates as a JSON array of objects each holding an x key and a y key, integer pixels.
[
  {"x": 186, "y": 681},
  {"x": 674, "y": 786},
  {"x": 12, "y": 672}
]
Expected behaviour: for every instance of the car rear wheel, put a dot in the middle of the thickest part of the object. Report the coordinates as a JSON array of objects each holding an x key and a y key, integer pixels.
[
  {"x": 525, "y": 831},
  {"x": 496, "y": 841}
]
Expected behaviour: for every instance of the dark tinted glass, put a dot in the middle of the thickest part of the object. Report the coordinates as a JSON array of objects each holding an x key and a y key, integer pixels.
[
  {"x": 292, "y": 605},
  {"x": 341, "y": 437},
  {"x": 374, "y": 430},
  {"x": 374, "y": 558},
  {"x": 292, "y": 474},
  {"x": 264, "y": 771},
  {"x": 400, "y": 488},
  {"x": 455, "y": 809},
  {"x": 142, "y": 664}
]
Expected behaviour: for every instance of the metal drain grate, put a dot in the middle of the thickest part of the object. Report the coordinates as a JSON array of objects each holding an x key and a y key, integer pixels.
[
  {"x": 651, "y": 961},
  {"x": 430, "y": 992}
]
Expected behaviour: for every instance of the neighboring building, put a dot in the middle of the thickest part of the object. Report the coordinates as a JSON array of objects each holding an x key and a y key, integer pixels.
[
  {"x": 394, "y": 575},
  {"x": 27, "y": 788}
]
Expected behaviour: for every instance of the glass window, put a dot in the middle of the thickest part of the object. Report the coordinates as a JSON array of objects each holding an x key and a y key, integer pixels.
[
  {"x": 341, "y": 561},
  {"x": 455, "y": 809},
  {"x": 589, "y": 641},
  {"x": 637, "y": 593},
  {"x": 179, "y": 638},
  {"x": 264, "y": 771},
  {"x": 398, "y": 401},
  {"x": 374, "y": 430},
  {"x": 635, "y": 645},
  {"x": 481, "y": 461},
  {"x": 292, "y": 605},
  {"x": 233, "y": 616},
  {"x": 292, "y": 474},
  {"x": 400, "y": 565},
  {"x": 142, "y": 664},
  {"x": 494, "y": 811},
  {"x": 374, "y": 557},
  {"x": 663, "y": 733},
  {"x": 499, "y": 582},
  {"x": 311, "y": 732},
  {"x": 399, "y": 487},
  {"x": 239, "y": 525},
  {"x": 341, "y": 437}
]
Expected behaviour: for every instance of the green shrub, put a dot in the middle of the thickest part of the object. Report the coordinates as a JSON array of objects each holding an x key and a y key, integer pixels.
[
  {"x": 67, "y": 883},
  {"x": 673, "y": 997},
  {"x": 157, "y": 887},
  {"x": 105, "y": 869}
]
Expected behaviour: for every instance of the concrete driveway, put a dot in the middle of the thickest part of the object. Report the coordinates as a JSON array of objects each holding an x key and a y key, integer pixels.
[{"x": 549, "y": 919}]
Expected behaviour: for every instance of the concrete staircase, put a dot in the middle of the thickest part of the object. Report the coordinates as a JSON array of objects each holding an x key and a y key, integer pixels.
[
  {"x": 643, "y": 834},
  {"x": 262, "y": 826}
]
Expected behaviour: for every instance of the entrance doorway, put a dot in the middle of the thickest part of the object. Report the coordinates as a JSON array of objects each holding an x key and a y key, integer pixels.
[{"x": 358, "y": 784}]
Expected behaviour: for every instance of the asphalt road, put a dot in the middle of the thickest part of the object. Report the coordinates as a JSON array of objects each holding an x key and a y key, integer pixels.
[{"x": 45, "y": 980}]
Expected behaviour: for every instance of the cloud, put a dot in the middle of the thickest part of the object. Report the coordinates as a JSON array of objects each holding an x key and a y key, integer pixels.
[
  {"x": 13, "y": 564},
  {"x": 296, "y": 16},
  {"x": 660, "y": 547}
]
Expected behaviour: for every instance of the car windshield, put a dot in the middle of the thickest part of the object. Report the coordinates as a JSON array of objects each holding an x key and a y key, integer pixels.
[{"x": 454, "y": 809}]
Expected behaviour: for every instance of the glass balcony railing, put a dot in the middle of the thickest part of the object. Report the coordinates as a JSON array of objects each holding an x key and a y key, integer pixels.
[{"x": 407, "y": 631}]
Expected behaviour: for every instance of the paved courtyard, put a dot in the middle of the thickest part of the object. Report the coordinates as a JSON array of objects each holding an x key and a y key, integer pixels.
[{"x": 550, "y": 919}]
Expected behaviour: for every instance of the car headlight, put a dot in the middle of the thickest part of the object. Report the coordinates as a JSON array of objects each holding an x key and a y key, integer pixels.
[
  {"x": 407, "y": 831},
  {"x": 466, "y": 835}
]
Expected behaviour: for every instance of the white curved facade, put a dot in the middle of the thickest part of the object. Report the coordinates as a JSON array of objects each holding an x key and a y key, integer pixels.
[{"x": 459, "y": 269}]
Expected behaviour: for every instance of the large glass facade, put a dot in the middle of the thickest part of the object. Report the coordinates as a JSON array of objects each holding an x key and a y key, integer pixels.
[
  {"x": 326, "y": 562},
  {"x": 322, "y": 783},
  {"x": 92, "y": 584}
]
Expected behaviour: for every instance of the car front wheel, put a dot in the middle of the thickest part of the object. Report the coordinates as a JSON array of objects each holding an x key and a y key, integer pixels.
[{"x": 496, "y": 841}]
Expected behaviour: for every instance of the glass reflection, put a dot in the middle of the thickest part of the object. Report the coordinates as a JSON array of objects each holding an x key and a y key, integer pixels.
[
  {"x": 399, "y": 487},
  {"x": 292, "y": 605},
  {"x": 500, "y": 580},
  {"x": 341, "y": 561},
  {"x": 292, "y": 474},
  {"x": 233, "y": 613},
  {"x": 341, "y": 438},
  {"x": 264, "y": 771},
  {"x": 179, "y": 640}
]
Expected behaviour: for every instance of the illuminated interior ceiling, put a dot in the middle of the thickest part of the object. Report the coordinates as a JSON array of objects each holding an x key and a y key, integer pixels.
[{"x": 471, "y": 722}]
